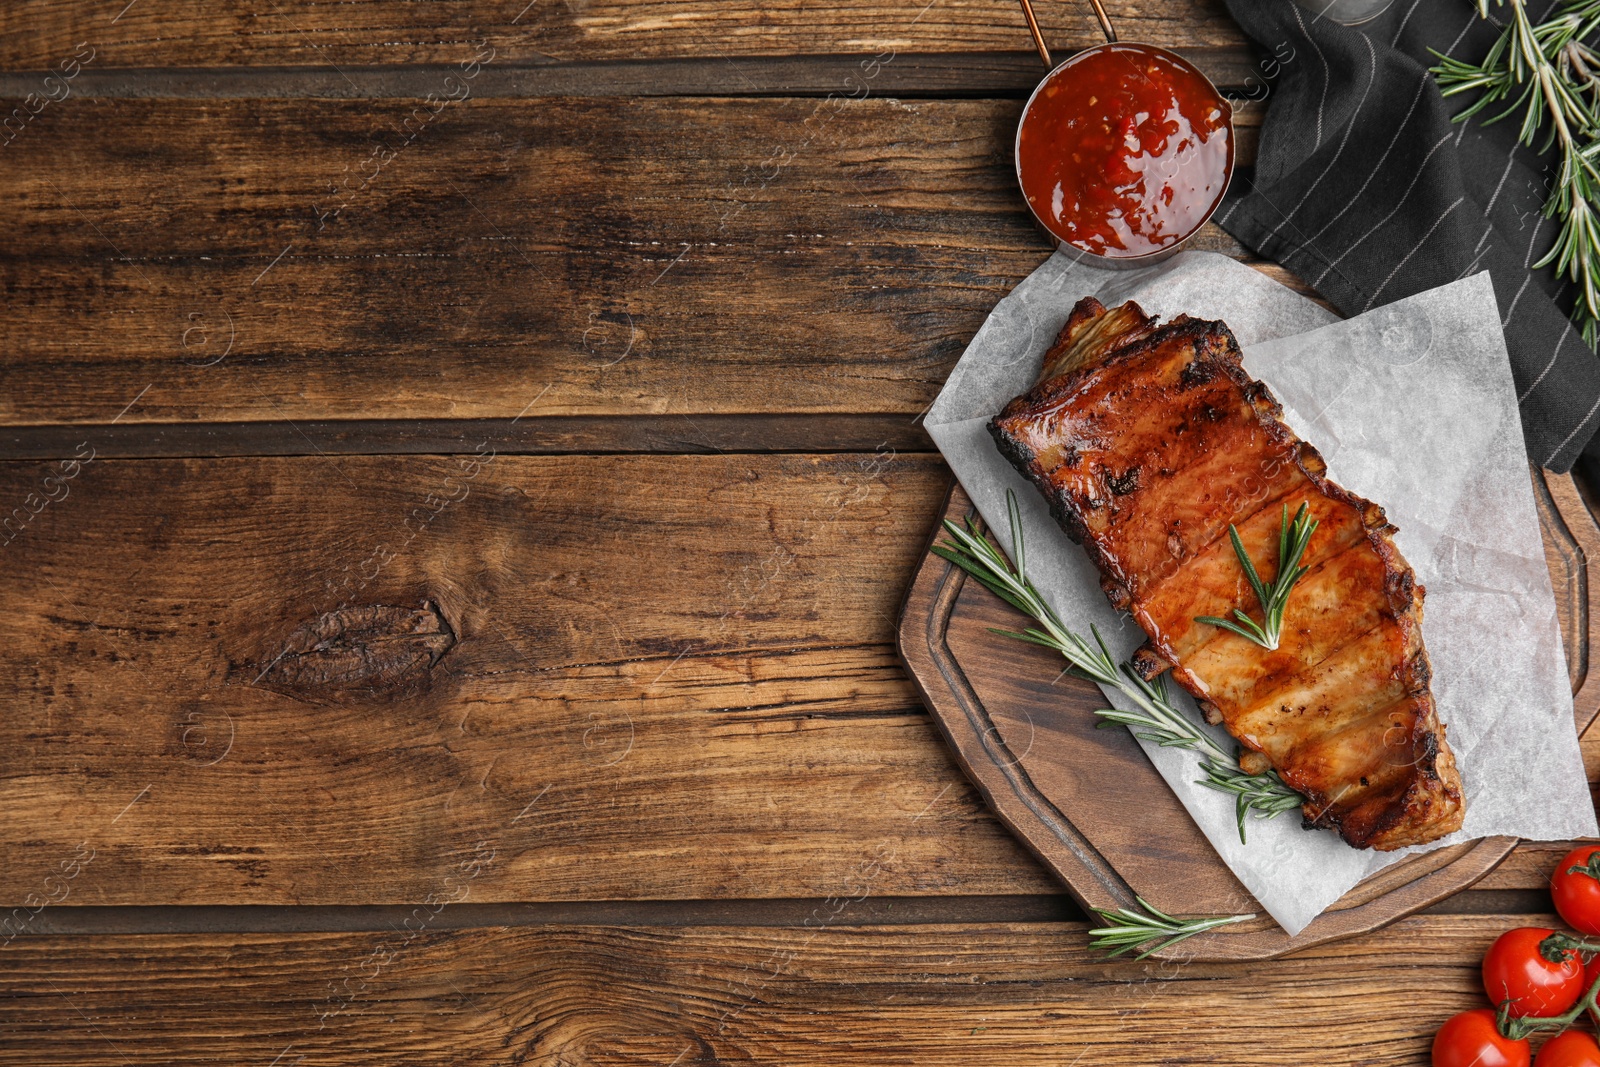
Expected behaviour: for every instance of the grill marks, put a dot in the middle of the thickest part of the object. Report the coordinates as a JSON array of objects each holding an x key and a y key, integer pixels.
[
  {"x": 1330, "y": 607},
  {"x": 1214, "y": 584},
  {"x": 1148, "y": 442}
]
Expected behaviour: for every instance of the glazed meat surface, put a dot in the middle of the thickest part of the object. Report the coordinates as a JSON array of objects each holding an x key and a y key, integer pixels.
[{"x": 1148, "y": 442}]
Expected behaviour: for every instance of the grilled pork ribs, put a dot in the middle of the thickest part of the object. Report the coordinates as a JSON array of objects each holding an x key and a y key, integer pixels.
[{"x": 1149, "y": 441}]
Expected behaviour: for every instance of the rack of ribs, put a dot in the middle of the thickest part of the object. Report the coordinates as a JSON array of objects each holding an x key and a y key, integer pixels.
[{"x": 1149, "y": 441}]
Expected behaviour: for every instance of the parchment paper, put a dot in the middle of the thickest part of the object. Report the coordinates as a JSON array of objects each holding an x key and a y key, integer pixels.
[{"x": 1413, "y": 406}]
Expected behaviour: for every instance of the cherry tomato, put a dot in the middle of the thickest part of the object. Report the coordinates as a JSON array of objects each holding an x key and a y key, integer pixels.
[
  {"x": 1576, "y": 893},
  {"x": 1570, "y": 1048},
  {"x": 1513, "y": 970},
  {"x": 1472, "y": 1040}
]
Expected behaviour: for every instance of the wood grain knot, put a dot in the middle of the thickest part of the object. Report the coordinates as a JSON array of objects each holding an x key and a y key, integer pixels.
[{"x": 374, "y": 649}]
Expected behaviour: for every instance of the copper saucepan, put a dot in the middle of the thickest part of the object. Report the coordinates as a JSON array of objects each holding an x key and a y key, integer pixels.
[{"x": 1196, "y": 177}]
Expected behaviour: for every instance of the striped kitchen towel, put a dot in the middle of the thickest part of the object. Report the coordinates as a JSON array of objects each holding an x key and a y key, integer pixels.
[{"x": 1365, "y": 188}]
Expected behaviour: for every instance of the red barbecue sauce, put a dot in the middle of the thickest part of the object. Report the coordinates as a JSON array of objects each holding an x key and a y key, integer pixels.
[{"x": 1124, "y": 150}]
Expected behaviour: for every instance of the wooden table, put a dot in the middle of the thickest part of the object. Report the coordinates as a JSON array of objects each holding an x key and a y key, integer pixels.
[{"x": 462, "y": 466}]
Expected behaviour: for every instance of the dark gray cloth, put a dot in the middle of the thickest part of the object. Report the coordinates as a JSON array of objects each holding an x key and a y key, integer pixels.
[{"x": 1365, "y": 188}]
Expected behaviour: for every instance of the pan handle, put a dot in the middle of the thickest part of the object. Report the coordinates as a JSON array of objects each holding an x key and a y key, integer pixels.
[
  {"x": 1105, "y": 23},
  {"x": 1038, "y": 36}
]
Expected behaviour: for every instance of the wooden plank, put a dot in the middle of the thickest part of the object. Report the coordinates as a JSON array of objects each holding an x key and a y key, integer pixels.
[
  {"x": 909, "y": 74},
  {"x": 632, "y": 676},
  {"x": 571, "y": 258},
  {"x": 36, "y": 35},
  {"x": 965, "y": 910},
  {"x": 1529, "y": 867},
  {"x": 693, "y": 681},
  {"x": 830, "y": 993},
  {"x": 79, "y": 920},
  {"x": 530, "y": 435}
]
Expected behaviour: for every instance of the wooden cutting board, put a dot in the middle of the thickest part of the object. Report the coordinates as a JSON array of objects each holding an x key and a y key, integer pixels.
[{"x": 1095, "y": 810}]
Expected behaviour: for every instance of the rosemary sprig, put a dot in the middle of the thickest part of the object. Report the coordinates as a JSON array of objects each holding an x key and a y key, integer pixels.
[
  {"x": 1155, "y": 718},
  {"x": 1129, "y": 929},
  {"x": 1263, "y": 795},
  {"x": 1549, "y": 72},
  {"x": 1292, "y": 540}
]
